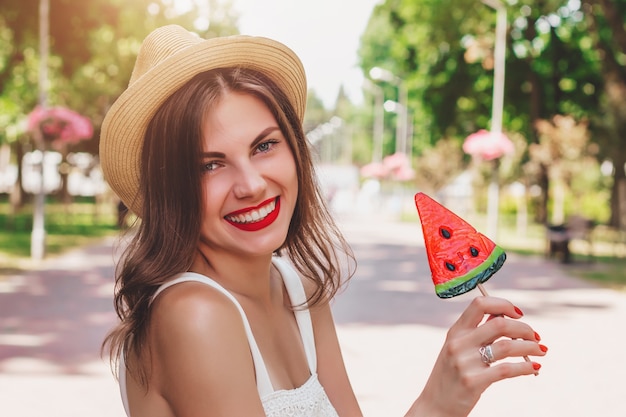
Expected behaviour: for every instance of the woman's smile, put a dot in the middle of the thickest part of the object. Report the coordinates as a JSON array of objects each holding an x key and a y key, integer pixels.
[{"x": 255, "y": 218}]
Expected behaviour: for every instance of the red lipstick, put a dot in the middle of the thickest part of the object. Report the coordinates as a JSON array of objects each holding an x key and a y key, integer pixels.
[{"x": 253, "y": 226}]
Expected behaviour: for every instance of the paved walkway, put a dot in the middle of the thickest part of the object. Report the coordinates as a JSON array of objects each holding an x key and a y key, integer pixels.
[
  {"x": 392, "y": 326},
  {"x": 390, "y": 323}
]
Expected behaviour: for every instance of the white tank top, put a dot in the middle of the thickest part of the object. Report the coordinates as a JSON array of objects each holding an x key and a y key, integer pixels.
[{"x": 308, "y": 400}]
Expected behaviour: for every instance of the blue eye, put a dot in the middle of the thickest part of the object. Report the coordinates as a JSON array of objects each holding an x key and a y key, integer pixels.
[
  {"x": 266, "y": 146},
  {"x": 209, "y": 166}
]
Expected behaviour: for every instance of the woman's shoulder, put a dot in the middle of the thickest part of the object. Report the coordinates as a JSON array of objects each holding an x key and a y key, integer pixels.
[
  {"x": 192, "y": 304},
  {"x": 192, "y": 315},
  {"x": 196, "y": 325},
  {"x": 199, "y": 348}
]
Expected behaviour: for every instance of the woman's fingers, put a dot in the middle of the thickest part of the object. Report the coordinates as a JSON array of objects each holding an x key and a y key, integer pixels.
[
  {"x": 502, "y": 327},
  {"x": 485, "y": 345},
  {"x": 507, "y": 348},
  {"x": 507, "y": 338},
  {"x": 480, "y": 306},
  {"x": 504, "y": 370}
]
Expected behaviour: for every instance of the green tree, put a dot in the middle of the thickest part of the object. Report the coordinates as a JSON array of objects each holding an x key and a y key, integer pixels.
[
  {"x": 605, "y": 22},
  {"x": 93, "y": 45},
  {"x": 563, "y": 57}
]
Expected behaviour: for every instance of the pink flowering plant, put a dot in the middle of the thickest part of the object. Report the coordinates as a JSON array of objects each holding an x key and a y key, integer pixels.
[
  {"x": 59, "y": 125},
  {"x": 395, "y": 167}
]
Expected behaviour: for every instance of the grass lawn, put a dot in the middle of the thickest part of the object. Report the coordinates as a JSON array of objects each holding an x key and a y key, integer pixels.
[
  {"x": 603, "y": 263},
  {"x": 67, "y": 226},
  {"x": 608, "y": 271}
]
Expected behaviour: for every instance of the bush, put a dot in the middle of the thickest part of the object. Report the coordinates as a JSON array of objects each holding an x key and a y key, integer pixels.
[{"x": 66, "y": 226}]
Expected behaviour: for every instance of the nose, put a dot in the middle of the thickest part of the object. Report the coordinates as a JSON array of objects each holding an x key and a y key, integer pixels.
[{"x": 249, "y": 181}]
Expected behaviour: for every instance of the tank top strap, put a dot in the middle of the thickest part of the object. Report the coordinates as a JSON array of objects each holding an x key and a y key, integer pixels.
[
  {"x": 121, "y": 371},
  {"x": 264, "y": 384},
  {"x": 297, "y": 296}
]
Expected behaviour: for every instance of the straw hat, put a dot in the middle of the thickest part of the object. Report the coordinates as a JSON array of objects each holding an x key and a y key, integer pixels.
[{"x": 169, "y": 57}]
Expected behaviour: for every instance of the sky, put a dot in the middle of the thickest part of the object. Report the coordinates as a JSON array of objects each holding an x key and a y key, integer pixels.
[{"x": 325, "y": 34}]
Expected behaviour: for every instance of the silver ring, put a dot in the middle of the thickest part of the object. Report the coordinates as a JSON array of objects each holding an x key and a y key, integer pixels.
[{"x": 486, "y": 354}]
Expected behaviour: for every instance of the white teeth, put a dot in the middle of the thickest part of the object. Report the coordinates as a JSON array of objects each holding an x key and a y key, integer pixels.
[{"x": 254, "y": 215}]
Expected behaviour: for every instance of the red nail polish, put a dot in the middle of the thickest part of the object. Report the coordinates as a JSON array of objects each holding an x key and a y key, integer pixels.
[
  {"x": 518, "y": 311},
  {"x": 543, "y": 348},
  {"x": 537, "y": 337},
  {"x": 536, "y": 366}
]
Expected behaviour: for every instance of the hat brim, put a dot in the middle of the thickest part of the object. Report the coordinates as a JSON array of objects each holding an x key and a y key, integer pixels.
[{"x": 125, "y": 124}]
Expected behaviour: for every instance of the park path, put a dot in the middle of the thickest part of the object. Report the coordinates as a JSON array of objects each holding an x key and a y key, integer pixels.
[{"x": 390, "y": 323}]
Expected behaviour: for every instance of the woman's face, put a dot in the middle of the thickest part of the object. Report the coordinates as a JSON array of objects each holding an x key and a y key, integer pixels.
[{"x": 249, "y": 178}]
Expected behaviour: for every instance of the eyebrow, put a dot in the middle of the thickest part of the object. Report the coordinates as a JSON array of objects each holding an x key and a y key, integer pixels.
[{"x": 254, "y": 143}]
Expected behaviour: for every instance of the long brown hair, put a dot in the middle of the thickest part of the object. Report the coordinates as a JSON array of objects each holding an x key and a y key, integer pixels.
[{"x": 166, "y": 237}]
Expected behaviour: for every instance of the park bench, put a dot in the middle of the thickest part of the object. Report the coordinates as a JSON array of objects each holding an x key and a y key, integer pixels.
[{"x": 559, "y": 237}]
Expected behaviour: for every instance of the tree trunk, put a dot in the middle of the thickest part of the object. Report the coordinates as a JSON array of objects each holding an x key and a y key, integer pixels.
[
  {"x": 618, "y": 192},
  {"x": 544, "y": 184},
  {"x": 558, "y": 196},
  {"x": 18, "y": 195},
  {"x": 615, "y": 90},
  {"x": 64, "y": 171},
  {"x": 536, "y": 92}
]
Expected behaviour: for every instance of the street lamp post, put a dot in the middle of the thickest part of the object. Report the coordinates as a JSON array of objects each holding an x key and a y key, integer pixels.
[
  {"x": 379, "y": 126},
  {"x": 401, "y": 111},
  {"x": 409, "y": 137},
  {"x": 498, "y": 69},
  {"x": 378, "y": 73},
  {"x": 496, "y": 111},
  {"x": 38, "y": 235}
]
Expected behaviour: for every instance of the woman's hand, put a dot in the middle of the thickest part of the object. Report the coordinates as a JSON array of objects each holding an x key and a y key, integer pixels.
[{"x": 461, "y": 374}]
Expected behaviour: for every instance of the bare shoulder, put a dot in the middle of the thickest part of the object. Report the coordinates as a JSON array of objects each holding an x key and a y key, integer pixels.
[
  {"x": 190, "y": 306},
  {"x": 193, "y": 322},
  {"x": 309, "y": 286},
  {"x": 200, "y": 353},
  {"x": 195, "y": 318}
]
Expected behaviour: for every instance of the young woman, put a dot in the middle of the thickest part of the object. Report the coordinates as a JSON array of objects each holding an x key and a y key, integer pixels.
[{"x": 223, "y": 292}]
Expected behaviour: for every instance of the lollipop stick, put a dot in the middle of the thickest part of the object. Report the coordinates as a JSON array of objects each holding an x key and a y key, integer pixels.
[{"x": 483, "y": 291}]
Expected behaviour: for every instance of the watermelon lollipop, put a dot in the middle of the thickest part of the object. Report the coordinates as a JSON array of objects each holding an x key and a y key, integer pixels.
[{"x": 460, "y": 258}]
